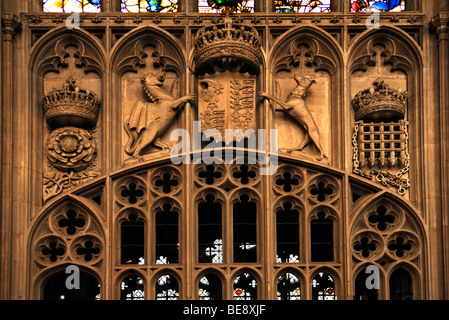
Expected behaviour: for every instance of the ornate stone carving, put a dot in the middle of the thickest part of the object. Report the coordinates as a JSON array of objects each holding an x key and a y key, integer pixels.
[
  {"x": 227, "y": 42},
  {"x": 381, "y": 147},
  {"x": 141, "y": 131},
  {"x": 227, "y": 101},
  {"x": 71, "y": 148},
  {"x": 71, "y": 106},
  {"x": 380, "y": 101},
  {"x": 296, "y": 107}
]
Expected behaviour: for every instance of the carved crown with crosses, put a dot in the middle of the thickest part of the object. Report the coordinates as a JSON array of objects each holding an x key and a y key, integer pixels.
[
  {"x": 228, "y": 41},
  {"x": 70, "y": 106},
  {"x": 380, "y": 102}
]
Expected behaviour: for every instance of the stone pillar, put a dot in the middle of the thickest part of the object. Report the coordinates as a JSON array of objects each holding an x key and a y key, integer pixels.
[
  {"x": 10, "y": 25},
  {"x": 440, "y": 24}
]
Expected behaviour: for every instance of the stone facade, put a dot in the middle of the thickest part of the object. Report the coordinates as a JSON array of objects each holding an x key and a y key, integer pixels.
[{"x": 90, "y": 116}]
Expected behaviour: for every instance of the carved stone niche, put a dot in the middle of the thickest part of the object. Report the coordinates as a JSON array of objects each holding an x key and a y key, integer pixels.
[
  {"x": 227, "y": 62},
  {"x": 71, "y": 101},
  {"x": 151, "y": 100},
  {"x": 380, "y": 107},
  {"x": 304, "y": 90}
]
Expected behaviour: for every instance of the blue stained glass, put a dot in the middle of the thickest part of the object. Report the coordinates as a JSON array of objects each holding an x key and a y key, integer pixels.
[{"x": 377, "y": 5}]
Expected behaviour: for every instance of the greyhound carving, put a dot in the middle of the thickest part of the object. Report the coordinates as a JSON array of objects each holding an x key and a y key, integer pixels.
[
  {"x": 296, "y": 107},
  {"x": 143, "y": 132}
]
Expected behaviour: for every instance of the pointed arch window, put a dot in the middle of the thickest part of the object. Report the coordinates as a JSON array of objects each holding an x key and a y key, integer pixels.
[
  {"x": 167, "y": 288},
  {"x": 132, "y": 236},
  {"x": 210, "y": 240},
  {"x": 322, "y": 238},
  {"x": 91, "y": 6},
  {"x": 288, "y": 287},
  {"x": 287, "y": 234},
  {"x": 132, "y": 288},
  {"x": 245, "y": 287},
  {"x": 167, "y": 238},
  {"x": 323, "y": 287},
  {"x": 210, "y": 287},
  {"x": 245, "y": 230},
  {"x": 55, "y": 288},
  {"x": 401, "y": 285},
  {"x": 362, "y": 292}
]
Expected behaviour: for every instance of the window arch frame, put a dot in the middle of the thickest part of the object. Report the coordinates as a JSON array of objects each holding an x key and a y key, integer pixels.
[
  {"x": 133, "y": 272},
  {"x": 254, "y": 196},
  {"x": 301, "y": 278},
  {"x": 123, "y": 216},
  {"x": 155, "y": 208}
]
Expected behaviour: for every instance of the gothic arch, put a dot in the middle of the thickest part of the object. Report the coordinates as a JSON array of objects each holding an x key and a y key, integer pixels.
[
  {"x": 399, "y": 53},
  {"x": 308, "y": 51},
  {"x": 387, "y": 232},
  {"x": 59, "y": 235},
  {"x": 137, "y": 54},
  {"x": 297, "y": 272},
  {"x": 39, "y": 282}
]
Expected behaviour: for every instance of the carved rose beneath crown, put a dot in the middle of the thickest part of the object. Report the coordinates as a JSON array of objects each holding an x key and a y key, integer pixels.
[{"x": 70, "y": 148}]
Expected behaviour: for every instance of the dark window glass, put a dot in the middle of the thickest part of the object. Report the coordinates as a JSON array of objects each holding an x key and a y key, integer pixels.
[
  {"x": 287, "y": 234},
  {"x": 210, "y": 288},
  {"x": 167, "y": 244},
  {"x": 401, "y": 285},
  {"x": 245, "y": 230},
  {"x": 322, "y": 238},
  {"x": 210, "y": 247},
  {"x": 132, "y": 240}
]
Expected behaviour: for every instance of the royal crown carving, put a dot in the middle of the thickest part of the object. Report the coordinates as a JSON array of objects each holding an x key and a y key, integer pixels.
[
  {"x": 380, "y": 102},
  {"x": 228, "y": 40},
  {"x": 70, "y": 106}
]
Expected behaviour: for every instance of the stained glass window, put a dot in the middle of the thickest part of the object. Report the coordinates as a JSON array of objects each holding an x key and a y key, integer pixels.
[
  {"x": 323, "y": 287},
  {"x": 167, "y": 288},
  {"x": 378, "y": 5},
  {"x": 167, "y": 243},
  {"x": 246, "y": 7},
  {"x": 245, "y": 287},
  {"x": 132, "y": 240},
  {"x": 163, "y": 6},
  {"x": 321, "y": 234},
  {"x": 92, "y": 6},
  {"x": 302, "y": 6},
  {"x": 132, "y": 288},
  {"x": 210, "y": 288},
  {"x": 288, "y": 287}
]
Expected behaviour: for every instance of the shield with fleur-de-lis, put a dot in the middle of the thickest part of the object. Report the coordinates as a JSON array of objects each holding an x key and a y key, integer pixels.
[{"x": 227, "y": 100}]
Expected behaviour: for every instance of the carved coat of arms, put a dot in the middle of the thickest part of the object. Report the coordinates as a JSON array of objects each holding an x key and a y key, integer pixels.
[{"x": 227, "y": 101}]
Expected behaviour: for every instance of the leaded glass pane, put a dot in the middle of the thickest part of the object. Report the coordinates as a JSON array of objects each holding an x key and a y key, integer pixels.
[
  {"x": 377, "y": 5},
  {"x": 92, "y": 6},
  {"x": 302, "y": 6},
  {"x": 245, "y": 7},
  {"x": 162, "y": 6}
]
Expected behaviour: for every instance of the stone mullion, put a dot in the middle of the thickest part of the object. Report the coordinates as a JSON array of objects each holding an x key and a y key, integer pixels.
[
  {"x": 10, "y": 25},
  {"x": 441, "y": 25}
]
